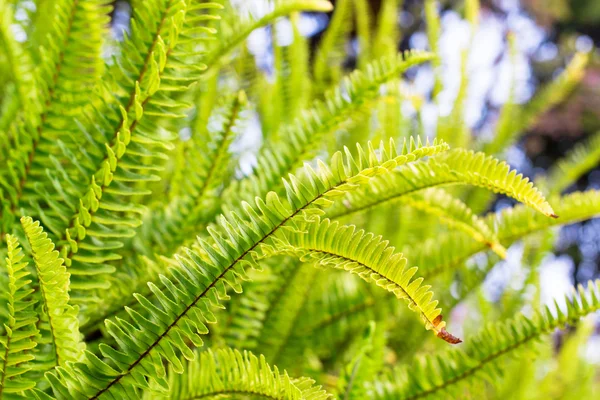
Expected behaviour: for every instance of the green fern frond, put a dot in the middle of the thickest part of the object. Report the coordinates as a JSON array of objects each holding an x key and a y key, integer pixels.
[
  {"x": 63, "y": 325},
  {"x": 456, "y": 214},
  {"x": 228, "y": 372},
  {"x": 20, "y": 66},
  {"x": 581, "y": 159},
  {"x": 70, "y": 66},
  {"x": 124, "y": 146},
  {"x": 432, "y": 17},
  {"x": 280, "y": 323},
  {"x": 498, "y": 177},
  {"x": 456, "y": 167},
  {"x": 260, "y": 305},
  {"x": 304, "y": 133},
  {"x": 387, "y": 34},
  {"x": 328, "y": 244},
  {"x": 448, "y": 373},
  {"x": 450, "y": 250},
  {"x": 21, "y": 331},
  {"x": 329, "y": 55},
  {"x": 364, "y": 366},
  {"x": 318, "y": 189}
]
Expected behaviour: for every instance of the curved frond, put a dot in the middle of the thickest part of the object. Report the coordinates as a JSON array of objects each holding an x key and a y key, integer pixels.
[
  {"x": 497, "y": 176},
  {"x": 228, "y": 372},
  {"x": 70, "y": 66},
  {"x": 449, "y": 250},
  {"x": 328, "y": 244},
  {"x": 456, "y": 167},
  {"x": 126, "y": 141},
  {"x": 448, "y": 373},
  {"x": 63, "y": 326},
  {"x": 21, "y": 331}
]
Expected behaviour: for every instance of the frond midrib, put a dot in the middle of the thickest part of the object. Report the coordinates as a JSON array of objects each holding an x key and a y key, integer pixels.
[
  {"x": 205, "y": 291},
  {"x": 131, "y": 102}
]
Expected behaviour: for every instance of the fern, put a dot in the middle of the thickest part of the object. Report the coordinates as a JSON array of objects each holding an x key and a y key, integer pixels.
[
  {"x": 20, "y": 338},
  {"x": 63, "y": 326},
  {"x": 197, "y": 220}
]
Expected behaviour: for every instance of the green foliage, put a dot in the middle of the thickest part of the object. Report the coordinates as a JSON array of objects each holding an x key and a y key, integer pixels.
[{"x": 138, "y": 231}]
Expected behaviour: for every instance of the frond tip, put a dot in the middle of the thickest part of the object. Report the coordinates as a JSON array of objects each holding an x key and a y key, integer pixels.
[
  {"x": 63, "y": 325},
  {"x": 18, "y": 341},
  {"x": 328, "y": 244}
]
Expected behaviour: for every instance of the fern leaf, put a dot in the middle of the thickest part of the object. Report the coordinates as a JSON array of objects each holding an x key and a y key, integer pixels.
[
  {"x": 448, "y": 251},
  {"x": 498, "y": 177},
  {"x": 323, "y": 118},
  {"x": 205, "y": 167},
  {"x": 364, "y": 366},
  {"x": 19, "y": 340},
  {"x": 223, "y": 372},
  {"x": 283, "y": 315},
  {"x": 455, "y": 214},
  {"x": 448, "y": 373},
  {"x": 69, "y": 68},
  {"x": 330, "y": 187},
  {"x": 123, "y": 137},
  {"x": 457, "y": 167},
  {"x": 328, "y": 244},
  {"x": 199, "y": 281},
  {"x": 63, "y": 325},
  {"x": 329, "y": 55}
]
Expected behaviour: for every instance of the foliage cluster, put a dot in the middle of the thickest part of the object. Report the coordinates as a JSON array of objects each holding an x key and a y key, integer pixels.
[{"x": 144, "y": 258}]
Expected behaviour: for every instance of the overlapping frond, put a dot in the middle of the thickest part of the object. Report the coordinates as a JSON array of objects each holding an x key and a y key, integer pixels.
[
  {"x": 162, "y": 332},
  {"x": 321, "y": 188},
  {"x": 370, "y": 257},
  {"x": 125, "y": 139},
  {"x": 69, "y": 68},
  {"x": 228, "y": 372},
  {"x": 20, "y": 338},
  {"x": 302, "y": 136},
  {"x": 448, "y": 373},
  {"x": 61, "y": 326},
  {"x": 456, "y": 167}
]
